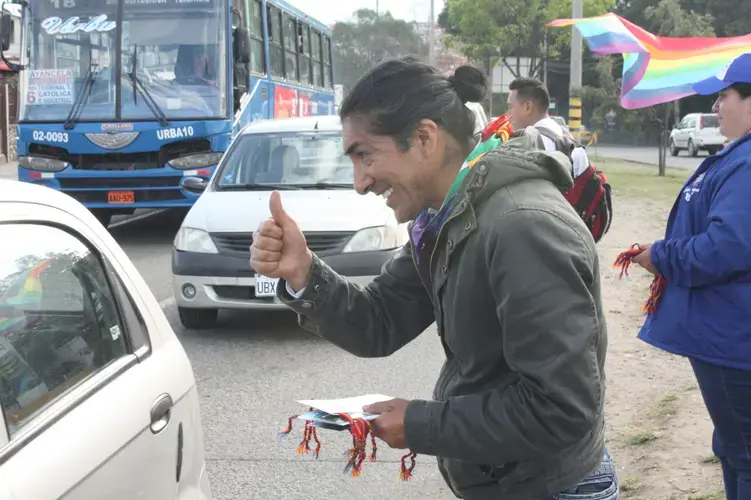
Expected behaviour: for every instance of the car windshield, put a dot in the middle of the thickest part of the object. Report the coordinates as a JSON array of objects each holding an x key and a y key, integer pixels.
[
  {"x": 314, "y": 160},
  {"x": 709, "y": 121},
  {"x": 169, "y": 50}
]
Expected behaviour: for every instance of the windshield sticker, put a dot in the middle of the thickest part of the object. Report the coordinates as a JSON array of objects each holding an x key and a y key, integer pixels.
[
  {"x": 56, "y": 26},
  {"x": 174, "y": 133},
  {"x": 49, "y": 86}
]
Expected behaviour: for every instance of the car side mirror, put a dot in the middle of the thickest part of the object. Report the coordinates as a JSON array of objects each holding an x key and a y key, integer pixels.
[
  {"x": 6, "y": 25},
  {"x": 195, "y": 185}
]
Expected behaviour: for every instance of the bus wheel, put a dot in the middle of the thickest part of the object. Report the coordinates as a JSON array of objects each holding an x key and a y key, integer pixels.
[{"x": 103, "y": 216}]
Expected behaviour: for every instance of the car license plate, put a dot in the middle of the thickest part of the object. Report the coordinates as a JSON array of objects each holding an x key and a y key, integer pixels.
[
  {"x": 121, "y": 197},
  {"x": 266, "y": 287}
]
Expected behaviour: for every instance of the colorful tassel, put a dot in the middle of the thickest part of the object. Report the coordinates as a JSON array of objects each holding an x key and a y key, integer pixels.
[
  {"x": 405, "y": 474},
  {"x": 656, "y": 288},
  {"x": 360, "y": 430}
]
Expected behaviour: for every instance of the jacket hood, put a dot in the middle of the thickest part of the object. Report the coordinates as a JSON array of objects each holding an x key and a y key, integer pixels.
[{"x": 521, "y": 158}]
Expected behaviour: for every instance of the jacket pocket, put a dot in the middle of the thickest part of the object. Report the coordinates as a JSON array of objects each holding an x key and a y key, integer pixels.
[{"x": 467, "y": 475}]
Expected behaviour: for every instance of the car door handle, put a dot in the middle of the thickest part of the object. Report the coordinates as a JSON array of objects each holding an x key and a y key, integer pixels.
[{"x": 160, "y": 413}]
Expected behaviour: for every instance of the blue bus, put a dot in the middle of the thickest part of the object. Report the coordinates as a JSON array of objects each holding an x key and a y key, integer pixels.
[{"x": 121, "y": 100}]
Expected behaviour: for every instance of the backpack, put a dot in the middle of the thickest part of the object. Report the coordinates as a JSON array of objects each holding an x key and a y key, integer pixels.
[{"x": 591, "y": 194}]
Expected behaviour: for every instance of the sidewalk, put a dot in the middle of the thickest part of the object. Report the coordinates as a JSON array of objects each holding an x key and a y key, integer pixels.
[{"x": 9, "y": 171}]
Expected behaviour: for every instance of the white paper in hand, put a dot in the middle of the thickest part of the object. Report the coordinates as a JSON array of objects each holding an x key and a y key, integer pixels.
[{"x": 345, "y": 405}]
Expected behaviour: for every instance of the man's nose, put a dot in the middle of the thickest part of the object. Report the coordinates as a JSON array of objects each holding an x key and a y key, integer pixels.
[
  {"x": 716, "y": 106},
  {"x": 363, "y": 182}
]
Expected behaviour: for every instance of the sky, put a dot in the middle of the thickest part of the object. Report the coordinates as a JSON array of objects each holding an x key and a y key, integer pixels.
[{"x": 330, "y": 11}]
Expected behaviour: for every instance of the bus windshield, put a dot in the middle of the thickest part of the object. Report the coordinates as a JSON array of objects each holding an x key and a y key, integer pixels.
[{"x": 172, "y": 60}]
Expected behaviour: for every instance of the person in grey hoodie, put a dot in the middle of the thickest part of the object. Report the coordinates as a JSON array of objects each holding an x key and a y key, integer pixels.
[{"x": 503, "y": 265}]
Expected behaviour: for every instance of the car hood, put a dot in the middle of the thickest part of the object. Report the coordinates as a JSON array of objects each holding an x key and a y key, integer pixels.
[{"x": 314, "y": 210}]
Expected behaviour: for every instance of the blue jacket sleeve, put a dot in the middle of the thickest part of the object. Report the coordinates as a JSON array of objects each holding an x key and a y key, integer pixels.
[{"x": 720, "y": 252}]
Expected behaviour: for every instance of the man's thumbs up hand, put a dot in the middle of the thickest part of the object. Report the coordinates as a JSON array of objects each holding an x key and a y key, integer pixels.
[
  {"x": 278, "y": 213},
  {"x": 279, "y": 249}
]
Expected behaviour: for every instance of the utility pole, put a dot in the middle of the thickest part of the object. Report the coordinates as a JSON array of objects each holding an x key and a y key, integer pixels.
[
  {"x": 574, "y": 100},
  {"x": 376, "y": 8},
  {"x": 545, "y": 61},
  {"x": 431, "y": 34}
]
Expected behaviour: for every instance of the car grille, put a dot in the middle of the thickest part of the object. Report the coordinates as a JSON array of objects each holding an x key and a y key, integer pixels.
[{"x": 320, "y": 243}]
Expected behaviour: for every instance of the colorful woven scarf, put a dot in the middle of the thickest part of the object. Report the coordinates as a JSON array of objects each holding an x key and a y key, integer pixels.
[{"x": 429, "y": 222}]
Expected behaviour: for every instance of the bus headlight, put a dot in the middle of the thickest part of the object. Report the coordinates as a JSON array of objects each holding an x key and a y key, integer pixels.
[
  {"x": 371, "y": 239},
  {"x": 189, "y": 239},
  {"x": 41, "y": 164},
  {"x": 196, "y": 161}
]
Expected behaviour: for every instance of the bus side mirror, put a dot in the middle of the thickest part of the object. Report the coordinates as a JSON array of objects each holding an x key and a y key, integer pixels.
[
  {"x": 6, "y": 25},
  {"x": 242, "y": 45}
]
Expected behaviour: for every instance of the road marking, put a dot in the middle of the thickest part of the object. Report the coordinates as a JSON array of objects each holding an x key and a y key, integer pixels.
[
  {"x": 164, "y": 304},
  {"x": 137, "y": 218}
]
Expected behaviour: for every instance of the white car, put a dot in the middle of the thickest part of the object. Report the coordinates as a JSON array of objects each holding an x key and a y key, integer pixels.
[
  {"x": 697, "y": 131},
  {"x": 303, "y": 158},
  {"x": 98, "y": 397}
]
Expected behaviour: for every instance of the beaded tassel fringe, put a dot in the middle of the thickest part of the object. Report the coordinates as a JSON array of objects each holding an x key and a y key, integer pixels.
[
  {"x": 624, "y": 260},
  {"x": 360, "y": 430}
]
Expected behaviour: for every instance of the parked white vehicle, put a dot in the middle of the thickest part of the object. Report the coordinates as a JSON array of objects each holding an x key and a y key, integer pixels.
[
  {"x": 303, "y": 158},
  {"x": 697, "y": 131},
  {"x": 98, "y": 397}
]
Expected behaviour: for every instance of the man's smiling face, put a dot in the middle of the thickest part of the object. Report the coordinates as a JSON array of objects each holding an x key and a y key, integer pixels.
[{"x": 404, "y": 177}]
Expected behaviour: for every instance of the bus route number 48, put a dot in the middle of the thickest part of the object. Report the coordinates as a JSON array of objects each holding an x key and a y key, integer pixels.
[{"x": 265, "y": 287}]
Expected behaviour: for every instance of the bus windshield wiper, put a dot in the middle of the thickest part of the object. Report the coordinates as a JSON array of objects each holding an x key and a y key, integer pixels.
[
  {"x": 83, "y": 94},
  {"x": 147, "y": 97}
]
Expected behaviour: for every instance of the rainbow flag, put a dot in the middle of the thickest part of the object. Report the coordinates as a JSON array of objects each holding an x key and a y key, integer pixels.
[
  {"x": 28, "y": 288},
  {"x": 656, "y": 69}
]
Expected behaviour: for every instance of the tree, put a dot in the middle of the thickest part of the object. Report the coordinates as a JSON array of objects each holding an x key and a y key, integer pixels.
[
  {"x": 731, "y": 17},
  {"x": 369, "y": 39},
  {"x": 505, "y": 30}
]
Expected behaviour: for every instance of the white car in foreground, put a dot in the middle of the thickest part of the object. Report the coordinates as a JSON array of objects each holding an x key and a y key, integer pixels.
[
  {"x": 98, "y": 397},
  {"x": 302, "y": 158}
]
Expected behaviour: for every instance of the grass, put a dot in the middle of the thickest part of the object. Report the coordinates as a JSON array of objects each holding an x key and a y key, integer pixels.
[
  {"x": 642, "y": 437},
  {"x": 636, "y": 180},
  {"x": 711, "y": 459},
  {"x": 707, "y": 496},
  {"x": 658, "y": 416},
  {"x": 628, "y": 484}
]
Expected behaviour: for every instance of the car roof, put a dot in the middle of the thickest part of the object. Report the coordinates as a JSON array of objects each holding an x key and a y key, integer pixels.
[
  {"x": 326, "y": 123},
  {"x": 26, "y": 192}
]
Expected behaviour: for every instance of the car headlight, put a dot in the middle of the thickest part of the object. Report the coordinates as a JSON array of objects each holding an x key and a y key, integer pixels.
[
  {"x": 373, "y": 238},
  {"x": 189, "y": 239},
  {"x": 42, "y": 164},
  {"x": 196, "y": 161}
]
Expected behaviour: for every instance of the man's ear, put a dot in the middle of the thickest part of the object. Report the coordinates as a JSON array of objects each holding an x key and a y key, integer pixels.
[{"x": 426, "y": 137}]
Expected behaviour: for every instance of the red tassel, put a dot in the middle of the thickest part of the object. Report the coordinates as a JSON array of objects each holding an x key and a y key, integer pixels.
[
  {"x": 289, "y": 426},
  {"x": 360, "y": 430},
  {"x": 656, "y": 288},
  {"x": 406, "y": 472},
  {"x": 624, "y": 259}
]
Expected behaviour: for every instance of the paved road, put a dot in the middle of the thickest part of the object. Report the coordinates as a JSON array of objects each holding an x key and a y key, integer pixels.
[
  {"x": 250, "y": 371},
  {"x": 646, "y": 155}
]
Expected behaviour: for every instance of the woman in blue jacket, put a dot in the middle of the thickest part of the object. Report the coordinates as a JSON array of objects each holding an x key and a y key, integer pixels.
[{"x": 704, "y": 312}]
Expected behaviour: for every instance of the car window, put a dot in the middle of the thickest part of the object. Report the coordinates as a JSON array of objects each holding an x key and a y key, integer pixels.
[
  {"x": 59, "y": 323},
  {"x": 710, "y": 121},
  {"x": 292, "y": 159}
]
